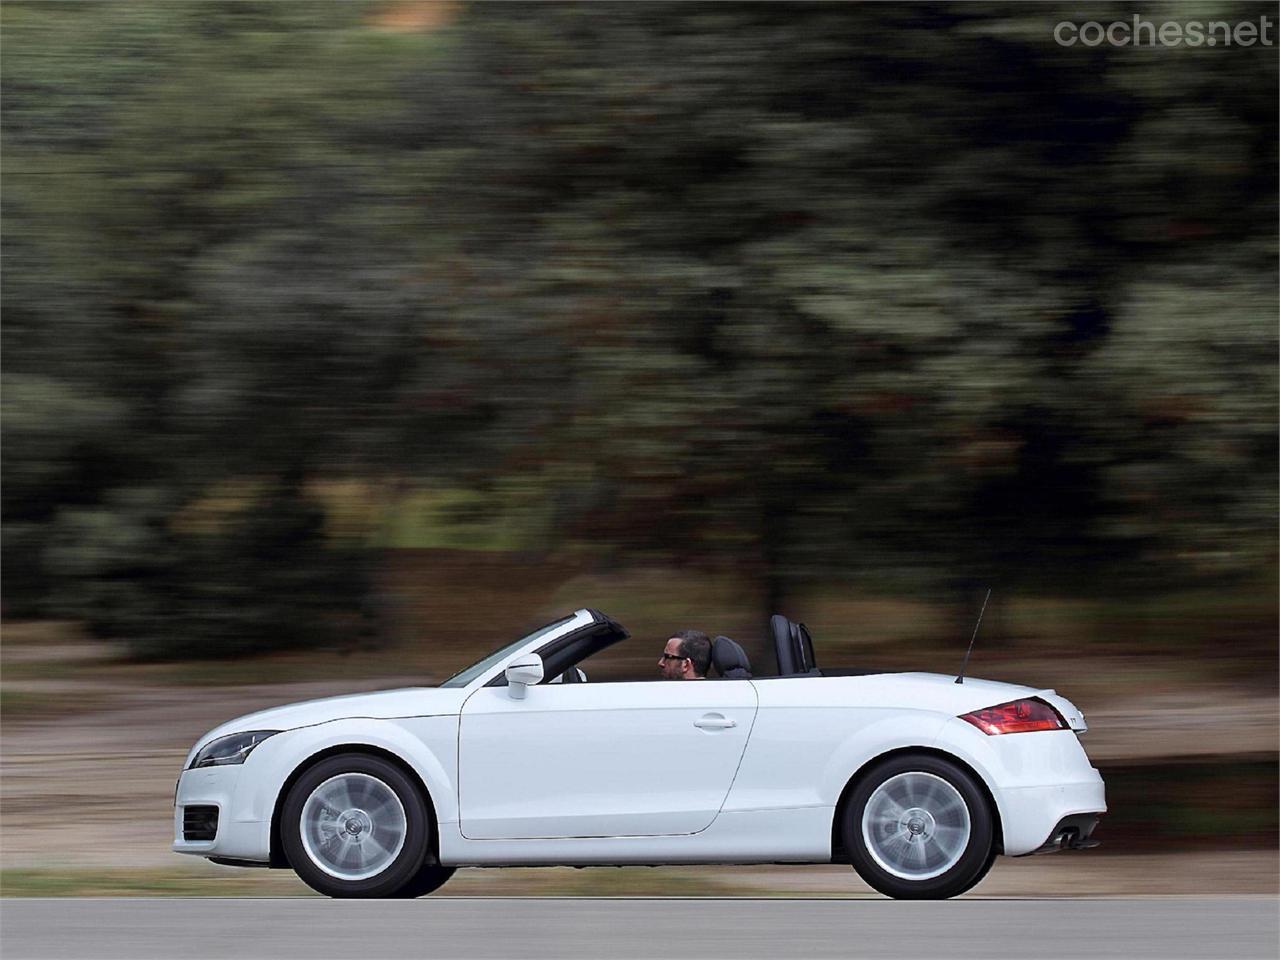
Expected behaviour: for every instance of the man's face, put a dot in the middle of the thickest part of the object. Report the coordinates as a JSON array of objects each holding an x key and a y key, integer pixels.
[{"x": 671, "y": 665}]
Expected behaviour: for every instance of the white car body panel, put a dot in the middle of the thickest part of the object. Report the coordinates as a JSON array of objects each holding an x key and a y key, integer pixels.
[
  {"x": 762, "y": 836},
  {"x": 600, "y": 760},
  {"x": 247, "y": 794},
  {"x": 601, "y": 773},
  {"x": 379, "y": 705}
]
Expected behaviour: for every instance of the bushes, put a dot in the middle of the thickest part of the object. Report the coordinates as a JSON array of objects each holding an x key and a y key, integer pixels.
[{"x": 266, "y": 579}]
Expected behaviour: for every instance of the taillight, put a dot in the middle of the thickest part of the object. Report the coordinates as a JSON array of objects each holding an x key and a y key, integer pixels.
[{"x": 1017, "y": 716}]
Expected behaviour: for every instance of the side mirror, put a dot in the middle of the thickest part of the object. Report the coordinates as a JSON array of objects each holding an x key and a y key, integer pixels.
[{"x": 522, "y": 674}]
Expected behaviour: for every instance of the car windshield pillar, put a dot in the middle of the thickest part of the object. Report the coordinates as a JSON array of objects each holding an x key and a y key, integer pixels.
[{"x": 478, "y": 669}]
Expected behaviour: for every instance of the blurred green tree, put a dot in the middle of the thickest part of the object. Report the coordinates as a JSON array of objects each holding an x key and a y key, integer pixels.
[{"x": 910, "y": 294}]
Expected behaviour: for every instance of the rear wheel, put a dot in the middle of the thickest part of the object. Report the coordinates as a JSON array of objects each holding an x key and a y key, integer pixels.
[
  {"x": 919, "y": 827},
  {"x": 981, "y": 874},
  {"x": 355, "y": 825}
]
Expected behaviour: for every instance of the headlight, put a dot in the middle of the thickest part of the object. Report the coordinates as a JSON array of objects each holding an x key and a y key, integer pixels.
[{"x": 232, "y": 749}]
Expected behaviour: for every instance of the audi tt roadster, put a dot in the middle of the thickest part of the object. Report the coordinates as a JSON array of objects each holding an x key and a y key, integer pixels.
[{"x": 916, "y": 780}]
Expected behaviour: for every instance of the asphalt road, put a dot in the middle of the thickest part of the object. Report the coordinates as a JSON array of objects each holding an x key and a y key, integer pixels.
[{"x": 318, "y": 929}]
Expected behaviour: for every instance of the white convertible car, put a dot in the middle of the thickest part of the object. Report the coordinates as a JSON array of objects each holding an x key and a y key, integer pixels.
[{"x": 916, "y": 780}]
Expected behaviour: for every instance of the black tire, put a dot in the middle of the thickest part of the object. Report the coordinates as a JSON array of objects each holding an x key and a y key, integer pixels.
[
  {"x": 402, "y": 874},
  {"x": 430, "y": 878},
  {"x": 964, "y": 867},
  {"x": 981, "y": 874}
]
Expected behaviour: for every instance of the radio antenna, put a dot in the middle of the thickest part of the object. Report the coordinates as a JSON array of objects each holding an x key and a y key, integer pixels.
[{"x": 960, "y": 675}]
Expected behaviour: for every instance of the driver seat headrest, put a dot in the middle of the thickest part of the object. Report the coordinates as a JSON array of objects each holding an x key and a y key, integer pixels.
[{"x": 729, "y": 659}]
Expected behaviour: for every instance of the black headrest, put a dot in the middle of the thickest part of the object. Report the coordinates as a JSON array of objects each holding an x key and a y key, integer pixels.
[
  {"x": 780, "y": 632},
  {"x": 730, "y": 659},
  {"x": 802, "y": 643},
  {"x": 793, "y": 645}
]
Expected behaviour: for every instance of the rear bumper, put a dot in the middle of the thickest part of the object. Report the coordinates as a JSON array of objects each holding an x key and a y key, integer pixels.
[
  {"x": 1036, "y": 779},
  {"x": 1033, "y": 817}
]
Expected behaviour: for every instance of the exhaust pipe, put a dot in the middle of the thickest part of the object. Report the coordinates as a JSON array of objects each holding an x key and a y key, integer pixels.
[
  {"x": 1073, "y": 841},
  {"x": 1077, "y": 836}
]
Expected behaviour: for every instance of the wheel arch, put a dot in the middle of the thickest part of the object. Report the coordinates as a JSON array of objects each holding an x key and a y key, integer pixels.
[
  {"x": 840, "y": 855},
  {"x": 277, "y": 854}
]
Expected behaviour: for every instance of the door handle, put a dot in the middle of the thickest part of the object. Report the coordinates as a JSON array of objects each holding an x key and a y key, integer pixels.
[{"x": 714, "y": 721}]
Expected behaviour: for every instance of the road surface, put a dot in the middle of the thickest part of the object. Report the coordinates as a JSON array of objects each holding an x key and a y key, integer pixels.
[{"x": 629, "y": 929}]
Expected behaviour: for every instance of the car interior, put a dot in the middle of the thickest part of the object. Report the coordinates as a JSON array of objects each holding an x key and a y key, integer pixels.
[{"x": 564, "y": 659}]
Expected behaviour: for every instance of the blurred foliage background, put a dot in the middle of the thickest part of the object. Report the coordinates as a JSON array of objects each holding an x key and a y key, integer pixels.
[{"x": 891, "y": 300}]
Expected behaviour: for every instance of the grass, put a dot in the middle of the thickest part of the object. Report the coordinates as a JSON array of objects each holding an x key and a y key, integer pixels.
[
  {"x": 214, "y": 881},
  {"x": 30, "y": 707},
  {"x": 30, "y": 633},
  {"x": 147, "y": 883},
  {"x": 291, "y": 667}
]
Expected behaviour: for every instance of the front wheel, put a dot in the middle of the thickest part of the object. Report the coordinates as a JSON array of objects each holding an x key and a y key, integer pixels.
[
  {"x": 918, "y": 827},
  {"x": 355, "y": 825}
]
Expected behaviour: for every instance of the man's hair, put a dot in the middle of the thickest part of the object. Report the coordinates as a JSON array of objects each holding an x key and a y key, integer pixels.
[{"x": 695, "y": 645}]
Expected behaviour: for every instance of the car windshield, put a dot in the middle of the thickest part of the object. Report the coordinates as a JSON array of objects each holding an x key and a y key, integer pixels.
[{"x": 463, "y": 677}]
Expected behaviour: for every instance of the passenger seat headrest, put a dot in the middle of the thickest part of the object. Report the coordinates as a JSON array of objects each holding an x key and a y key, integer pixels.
[{"x": 729, "y": 659}]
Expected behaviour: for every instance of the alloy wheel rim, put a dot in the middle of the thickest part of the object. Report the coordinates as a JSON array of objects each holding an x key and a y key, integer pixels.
[
  {"x": 353, "y": 826},
  {"x": 916, "y": 825}
]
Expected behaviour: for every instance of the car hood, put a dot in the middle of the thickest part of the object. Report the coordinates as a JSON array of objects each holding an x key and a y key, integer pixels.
[{"x": 378, "y": 705}]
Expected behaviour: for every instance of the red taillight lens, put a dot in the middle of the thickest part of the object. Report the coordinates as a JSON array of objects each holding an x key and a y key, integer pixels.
[{"x": 1017, "y": 716}]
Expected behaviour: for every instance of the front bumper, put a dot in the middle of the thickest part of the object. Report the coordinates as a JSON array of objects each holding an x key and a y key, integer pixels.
[{"x": 236, "y": 838}]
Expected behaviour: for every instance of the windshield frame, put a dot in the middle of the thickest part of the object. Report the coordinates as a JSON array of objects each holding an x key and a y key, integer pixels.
[{"x": 483, "y": 670}]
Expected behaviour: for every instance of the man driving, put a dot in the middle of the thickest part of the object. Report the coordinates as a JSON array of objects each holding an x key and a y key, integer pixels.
[{"x": 687, "y": 656}]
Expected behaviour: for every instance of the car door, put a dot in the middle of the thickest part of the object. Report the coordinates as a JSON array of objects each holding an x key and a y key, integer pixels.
[{"x": 600, "y": 759}]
